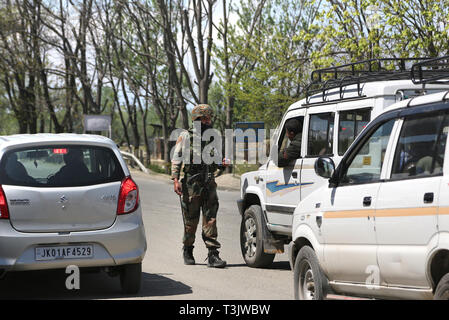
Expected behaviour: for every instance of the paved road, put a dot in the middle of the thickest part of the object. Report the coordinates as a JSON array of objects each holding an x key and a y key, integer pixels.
[{"x": 164, "y": 274}]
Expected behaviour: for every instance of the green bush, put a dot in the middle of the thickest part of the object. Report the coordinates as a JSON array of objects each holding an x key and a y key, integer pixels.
[{"x": 156, "y": 168}]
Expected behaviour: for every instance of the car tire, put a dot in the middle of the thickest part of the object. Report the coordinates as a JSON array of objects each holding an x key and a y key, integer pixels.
[
  {"x": 131, "y": 278},
  {"x": 442, "y": 290},
  {"x": 310, "y": 283},
  {"x": 251, "y": 239}
]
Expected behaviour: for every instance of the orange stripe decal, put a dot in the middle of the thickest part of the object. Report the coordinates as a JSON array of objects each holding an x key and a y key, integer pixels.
[
  {"x": 349, "y": 214},
  {"x": 407, "y": 212},
  {"x": 385, "y": 213},
  {"x": 443, "y": 210}
]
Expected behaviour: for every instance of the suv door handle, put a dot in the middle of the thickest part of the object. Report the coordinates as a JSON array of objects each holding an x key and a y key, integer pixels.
[
  {"x": 428, "y": 197},
  {"x": 366, "y": 201}
]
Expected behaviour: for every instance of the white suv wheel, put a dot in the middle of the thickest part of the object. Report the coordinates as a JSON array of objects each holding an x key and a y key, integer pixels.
[
  {"x": 309, "y": 281},
  {"x": 251, "y": 239},
  {"x": 250, "y": 233},
  {"x": 442, "y": 290},
  {"x": 306, "y": 282}
]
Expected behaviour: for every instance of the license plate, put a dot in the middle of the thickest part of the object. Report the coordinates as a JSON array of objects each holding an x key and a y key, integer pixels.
[{"x": 64, "y": 252}]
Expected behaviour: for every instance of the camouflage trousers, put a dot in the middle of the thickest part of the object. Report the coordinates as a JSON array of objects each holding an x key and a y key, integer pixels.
[{"x": 196, "y": 198}]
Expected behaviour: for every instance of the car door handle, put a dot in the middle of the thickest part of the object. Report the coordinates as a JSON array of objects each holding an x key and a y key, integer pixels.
[
  {"x": 428, "y": 197},
  {"x": 295, "y": 174},
  {"x": 366, "y": 201}
]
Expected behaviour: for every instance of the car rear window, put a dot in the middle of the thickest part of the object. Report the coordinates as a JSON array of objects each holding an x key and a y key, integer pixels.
[{"x": 60, "y": 166}]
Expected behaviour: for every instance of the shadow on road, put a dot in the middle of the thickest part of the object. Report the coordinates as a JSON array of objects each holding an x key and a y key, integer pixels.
[
  {"x": 50, "y": 284},
  {"x": 278, "y": 265}
]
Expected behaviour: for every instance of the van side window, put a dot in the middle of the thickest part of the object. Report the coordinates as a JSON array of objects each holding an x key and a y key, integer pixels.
[
  {"x": 320, "y": 138},
  {"x": 350, "y": 125},
  {"x": 421, "y": 145},
  {"x": 366, "y": 164},
  {"x": 290, "y": 148}
]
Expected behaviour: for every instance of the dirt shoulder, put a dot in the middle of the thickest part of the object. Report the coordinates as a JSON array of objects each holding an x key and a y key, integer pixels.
[{"x": 224, "y": 182}]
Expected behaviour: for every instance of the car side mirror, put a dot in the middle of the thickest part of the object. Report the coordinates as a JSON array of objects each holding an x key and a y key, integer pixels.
[{"x": 324, "y": 167}]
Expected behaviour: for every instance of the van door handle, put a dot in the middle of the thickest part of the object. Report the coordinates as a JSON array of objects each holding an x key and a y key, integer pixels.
[
  {"x": 366, "y": 201},
  {"x": 295, "y": 174},
  {"x": 428, "y": 197}
]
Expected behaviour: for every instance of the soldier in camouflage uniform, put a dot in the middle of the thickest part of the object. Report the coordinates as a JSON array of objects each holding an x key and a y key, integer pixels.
[{"x": 197, "y": 190}]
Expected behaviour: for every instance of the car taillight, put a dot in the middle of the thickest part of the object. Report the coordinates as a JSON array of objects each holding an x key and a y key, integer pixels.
[
  {"x": 128, "y": 199},
  {"x": 4, "y": 212}
]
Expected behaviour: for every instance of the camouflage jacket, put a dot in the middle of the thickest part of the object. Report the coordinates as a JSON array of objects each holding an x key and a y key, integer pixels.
[{"x": 186, "y": 154}]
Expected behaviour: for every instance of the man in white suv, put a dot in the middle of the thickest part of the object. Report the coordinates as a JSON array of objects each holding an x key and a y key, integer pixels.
[{"x": 293, "y": 130}]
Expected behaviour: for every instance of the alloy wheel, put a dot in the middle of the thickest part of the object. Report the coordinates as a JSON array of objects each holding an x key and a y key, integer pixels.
[{"x": 250, "y": 237}]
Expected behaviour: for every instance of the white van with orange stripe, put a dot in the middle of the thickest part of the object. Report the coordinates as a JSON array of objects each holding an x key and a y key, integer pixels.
[
  {"x": 380, "y": 227},
  {"x": 339, "y": 103}
]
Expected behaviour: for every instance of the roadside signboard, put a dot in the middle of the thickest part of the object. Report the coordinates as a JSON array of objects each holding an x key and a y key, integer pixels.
[
  {"x": 249, "y": 137},
  {"x": 95, "y": 122}
]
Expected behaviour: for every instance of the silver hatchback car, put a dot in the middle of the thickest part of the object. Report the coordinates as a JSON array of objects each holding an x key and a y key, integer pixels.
[{"x": 68, "y": 199}]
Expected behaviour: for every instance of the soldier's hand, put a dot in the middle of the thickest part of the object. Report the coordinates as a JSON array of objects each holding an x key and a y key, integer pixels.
[{"x": 177, "y": 187}]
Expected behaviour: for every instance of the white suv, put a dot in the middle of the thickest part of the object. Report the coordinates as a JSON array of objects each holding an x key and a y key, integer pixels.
[
  {"x": 334, "y": 112},
  {"x": 380, "y": 226}
]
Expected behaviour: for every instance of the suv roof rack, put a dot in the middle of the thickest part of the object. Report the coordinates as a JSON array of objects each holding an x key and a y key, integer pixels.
[
  {"x": 431, "y": 71},
  {"x": 364, "y": 71}
]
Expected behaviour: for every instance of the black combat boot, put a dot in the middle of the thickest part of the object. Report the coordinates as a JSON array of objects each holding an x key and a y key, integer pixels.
[
  {"x": 213, "y": 260},
  {"x": 187, "y": 253}
]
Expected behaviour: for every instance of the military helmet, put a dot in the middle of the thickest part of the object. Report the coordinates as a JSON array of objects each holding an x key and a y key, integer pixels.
[{"x": 202, "y": 110}]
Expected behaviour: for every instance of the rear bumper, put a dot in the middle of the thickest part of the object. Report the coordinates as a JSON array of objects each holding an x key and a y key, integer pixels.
[{"x": 122, "y": 243}]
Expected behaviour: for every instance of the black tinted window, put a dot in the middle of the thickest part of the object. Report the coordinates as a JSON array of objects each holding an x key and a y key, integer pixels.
[
  {"x": 321, "y": 129},
  {"x": 350, "y": 125},
  {"x": 421, "y": 146},
  {"x": 60, "y": 166}
]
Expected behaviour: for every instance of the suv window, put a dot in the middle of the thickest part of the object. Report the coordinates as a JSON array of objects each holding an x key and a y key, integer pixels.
[
  {"x": 60, "y": 166},
  {"x": 290, "y": 148},
  {"x": 321, "y": 129},
  {"x": 366, "y": 164},
  {"x": 421, "y": 146},
  {"x": 350, "y": 125},
  {"x": 284, "y": 139}
]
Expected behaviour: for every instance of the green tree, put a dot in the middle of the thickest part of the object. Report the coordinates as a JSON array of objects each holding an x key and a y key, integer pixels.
[
  {"x": 416, "y": 27},
  {"x": 269, "y": 68},
  {"x": 353, "y": 30}
]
